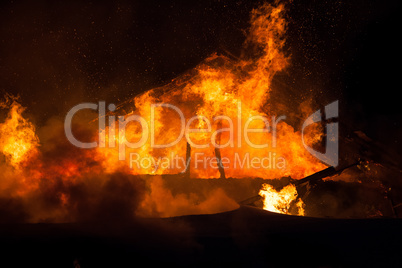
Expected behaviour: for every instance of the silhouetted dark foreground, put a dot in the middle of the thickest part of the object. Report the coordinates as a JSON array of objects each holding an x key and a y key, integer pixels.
[{"x": 244, "y": 237}]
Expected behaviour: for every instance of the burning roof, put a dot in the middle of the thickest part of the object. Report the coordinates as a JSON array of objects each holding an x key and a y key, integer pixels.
[{"x": 213, "y": 121}]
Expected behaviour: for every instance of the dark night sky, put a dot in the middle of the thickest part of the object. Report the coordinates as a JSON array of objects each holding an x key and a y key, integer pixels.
[{"x": 55, "y": 54}]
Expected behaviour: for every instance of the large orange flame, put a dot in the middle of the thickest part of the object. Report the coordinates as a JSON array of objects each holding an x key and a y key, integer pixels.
[
  {"x": 222, "y": 92},
  {"x": 237, "y": 89}
]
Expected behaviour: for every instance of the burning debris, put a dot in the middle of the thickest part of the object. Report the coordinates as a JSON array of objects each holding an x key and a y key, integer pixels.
[
  {"x": 222, "y": 119},
  {"x": 200, "y": 133},
  {"x": 280, "y": 202},
  {"x": 218, "y": 110}
]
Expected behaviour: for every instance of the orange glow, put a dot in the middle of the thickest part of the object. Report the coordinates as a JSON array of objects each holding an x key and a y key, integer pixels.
[
  {"x": 280, "y": 201},
  {"x": 18, "y": 139},
  {"x": 235, "y": 91},
  {"x": 220, "y": 86}
]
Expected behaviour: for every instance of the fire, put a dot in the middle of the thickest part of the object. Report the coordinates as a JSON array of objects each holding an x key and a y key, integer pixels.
[
  {"x": 228, "y": 97},
  {"x": 223, "y": 94},
  {"x": 280, "y": 201},
  {"x": 18, "y": 138}
]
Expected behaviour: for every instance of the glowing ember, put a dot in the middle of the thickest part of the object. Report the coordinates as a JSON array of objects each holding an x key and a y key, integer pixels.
[{"x": 280, "y": 201}]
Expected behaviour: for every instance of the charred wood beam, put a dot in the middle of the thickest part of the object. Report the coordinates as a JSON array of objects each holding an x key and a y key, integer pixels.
[
  {"x": 220, "y": 165},
  {"x": 330, "y": 171},
  {"x": 218, "y": 153},
  {"x": 251, "y": 200},
  {"x": 317, "y": 176},
  {"x": 188, "y": 161}
]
